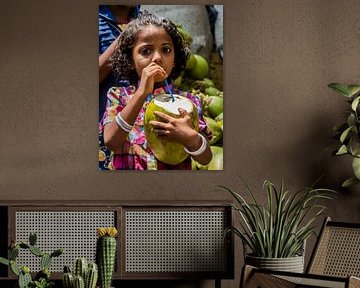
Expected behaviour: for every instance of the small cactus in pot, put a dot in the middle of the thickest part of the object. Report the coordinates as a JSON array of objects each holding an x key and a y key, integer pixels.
[{"x": 106, "y": 254}]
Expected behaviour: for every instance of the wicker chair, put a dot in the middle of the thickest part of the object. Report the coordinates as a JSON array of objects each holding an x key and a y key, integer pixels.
[{"x": 335, "y": 262}]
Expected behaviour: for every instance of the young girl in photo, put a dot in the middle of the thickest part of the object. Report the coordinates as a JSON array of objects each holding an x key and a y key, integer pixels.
[{"x": 150, "y": 51}]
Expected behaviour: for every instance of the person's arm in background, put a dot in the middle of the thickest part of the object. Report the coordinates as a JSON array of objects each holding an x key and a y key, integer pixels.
[{"x": 104, "y": 59}]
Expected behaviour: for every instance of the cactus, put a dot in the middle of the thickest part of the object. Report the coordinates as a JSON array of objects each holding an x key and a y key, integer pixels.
[
  {"x": 84, "y": 276},
  {"x": 81, "y": 267},
  {"x": 105, "y": 254},
  {"x": 13, "y": 253},
  {"x": 68, "y": 280},
  {"x": 44, "y": 273},
  {"x": 14, "y": 268},
  {"x": 32, "y": 238},
  {"x": 24, "y": 280},
  {"x": 36, "y": 251},
  {"x": 91, "y": 276},
  {"x": 42, "y": 278},
  {"x": 45, "y": 261},
  {"x": 79, "y": 282}
]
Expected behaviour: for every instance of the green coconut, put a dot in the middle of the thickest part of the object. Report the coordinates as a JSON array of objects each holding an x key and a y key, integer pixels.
[
  {"x": 191, "y": 62},
  {"x": 212, "y": 91},
  {"x": 215, "y": 106},
  {"x": 201, "y": 69},
  {"x": 217, "y": 162},
  {"x": 167, "y": 151}
]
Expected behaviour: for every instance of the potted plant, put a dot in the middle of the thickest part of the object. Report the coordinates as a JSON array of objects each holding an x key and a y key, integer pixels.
[
  {"x": 42, "y": 278},
  {"x": 274, "y": 234},
  {"x": 348, "y": 133}
]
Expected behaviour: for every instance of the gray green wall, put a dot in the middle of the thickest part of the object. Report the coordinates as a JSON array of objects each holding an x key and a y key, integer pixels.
[{"x": 279, "y": 57}]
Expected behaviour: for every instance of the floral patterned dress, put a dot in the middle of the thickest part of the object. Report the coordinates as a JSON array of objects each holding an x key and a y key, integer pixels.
[{"x": 136, "y": 154}]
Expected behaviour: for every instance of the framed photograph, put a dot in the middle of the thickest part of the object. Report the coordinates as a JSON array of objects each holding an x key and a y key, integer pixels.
[{"x": 161, "y": 87}]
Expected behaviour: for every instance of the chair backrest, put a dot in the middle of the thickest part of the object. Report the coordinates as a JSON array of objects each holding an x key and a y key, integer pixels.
[{"x": 337, "y": 251}]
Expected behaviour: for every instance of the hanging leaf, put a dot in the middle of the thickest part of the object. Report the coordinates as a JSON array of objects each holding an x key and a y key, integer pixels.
[
  {"x": 355, "y": 103},
  {"x": 340, "y": 88},
  {"x": 351, "y": 119},
  {"x": 342, "y": 150},
  {"x": 349, "y": 182},
  {"x": 4, "y": 261},
  {"x": 345, "y": 134},
  {"x": 356, "y": 167},
  {"x": 354, "y": 145},
  {"x": 353, "y": 89}
]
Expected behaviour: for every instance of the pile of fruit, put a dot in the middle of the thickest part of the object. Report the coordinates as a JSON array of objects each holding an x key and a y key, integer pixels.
[{"x": 196, "y": 79}]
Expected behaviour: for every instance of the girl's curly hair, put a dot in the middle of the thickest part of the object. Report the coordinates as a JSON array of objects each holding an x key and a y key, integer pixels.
[{"x": 122, "y": 60}]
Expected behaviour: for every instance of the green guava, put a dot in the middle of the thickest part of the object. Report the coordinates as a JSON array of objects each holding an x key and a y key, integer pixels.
[{"x": 167, "y": 151}]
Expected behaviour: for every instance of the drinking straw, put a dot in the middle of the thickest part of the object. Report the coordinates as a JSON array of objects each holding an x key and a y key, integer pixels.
[{"x": 169, "y": 90}]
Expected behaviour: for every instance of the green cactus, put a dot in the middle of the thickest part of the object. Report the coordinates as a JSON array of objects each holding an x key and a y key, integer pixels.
[
  {"x": 88, "y": 272},
  {"x": 57, "y": 252},
  {"x": 32, "y": 238},
  {"x": 14, "y": 268},
  {"x": 45, "y": 261},
  {"x": 91, "y": 275},
  {"x": 36, "y": 251},
  {"x": 44, "y": 273},
  {"x": 81, "y": 265},
  {"x": 24, "y": 245},
  {"x": 105, "y": 255},
  {"x": 42, "y": 278},
  {"x": 68, "y": 280},
  {"x": 24, "y": 280},
  {"x": 13, "y": 253},
  {"x": 79, "y": 282}
]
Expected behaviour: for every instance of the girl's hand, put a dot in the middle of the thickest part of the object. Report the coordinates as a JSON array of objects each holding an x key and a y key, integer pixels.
[
  {"x": 149, "y": 75},
  {"x": 179, "y": 130}
]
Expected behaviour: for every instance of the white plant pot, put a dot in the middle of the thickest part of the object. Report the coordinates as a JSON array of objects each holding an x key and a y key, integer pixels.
[{"x": 291, "y": 264}]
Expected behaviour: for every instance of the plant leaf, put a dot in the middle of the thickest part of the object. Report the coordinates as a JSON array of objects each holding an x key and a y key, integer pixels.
[
  {"x": 340, "y": 88},
  {"x": 355, "y": 103},
  {"x": 345, "y": 134},
  {"x": 342, "y": 150},
  {"x": 353, "y": 89},
  {"x": 349, "y": 182},
  {"x": 4, "y": 261}
]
